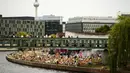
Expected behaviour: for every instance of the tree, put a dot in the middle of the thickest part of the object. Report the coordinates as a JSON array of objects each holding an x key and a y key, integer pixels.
[
  {"x": 21, "y": 33},
  {"x": 118, "y": 42},
  {"x": 98, "y": 30},
  {"x": 103, "y": 29}
]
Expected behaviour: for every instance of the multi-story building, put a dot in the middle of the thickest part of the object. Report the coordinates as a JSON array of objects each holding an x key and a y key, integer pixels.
[
  {"x": 53, "y": 24},
  {"x": 88, "y": 24},
  {"x": 10, "y": 26}
]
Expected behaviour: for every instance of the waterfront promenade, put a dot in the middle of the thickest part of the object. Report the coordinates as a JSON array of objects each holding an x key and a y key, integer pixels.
[{"x": 8, "y": 49}]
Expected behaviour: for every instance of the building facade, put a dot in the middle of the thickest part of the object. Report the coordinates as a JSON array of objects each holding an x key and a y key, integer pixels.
[
  {"x": 88, "y": 24},
  {"x": 53, "y": 24},
  {"x": 10, "y": 26}
]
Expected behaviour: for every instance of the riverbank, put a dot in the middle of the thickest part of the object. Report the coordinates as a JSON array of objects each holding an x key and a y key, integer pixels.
[
  {"x": 57, "y": 66},
  {"x": 8, "y": 49}
]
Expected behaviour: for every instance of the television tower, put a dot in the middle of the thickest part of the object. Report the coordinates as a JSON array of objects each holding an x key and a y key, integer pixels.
[{"x": 36, "y": 5}]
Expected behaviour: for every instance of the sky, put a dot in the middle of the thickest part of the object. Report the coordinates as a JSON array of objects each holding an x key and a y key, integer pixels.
[{"x": 65, "y": 8}]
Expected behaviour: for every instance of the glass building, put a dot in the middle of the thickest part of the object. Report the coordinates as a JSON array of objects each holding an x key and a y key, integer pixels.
[{"x": 53, "y": 24}]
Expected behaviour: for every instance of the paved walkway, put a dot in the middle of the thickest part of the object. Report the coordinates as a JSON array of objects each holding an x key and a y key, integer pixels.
[{"x": 8, "y": 49}]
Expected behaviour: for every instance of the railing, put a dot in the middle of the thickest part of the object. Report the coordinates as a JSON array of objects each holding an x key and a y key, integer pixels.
[{"x": 91, "y": 43}]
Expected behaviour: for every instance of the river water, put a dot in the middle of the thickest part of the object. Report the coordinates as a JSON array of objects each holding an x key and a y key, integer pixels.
[{"x": 8, "y": 67}]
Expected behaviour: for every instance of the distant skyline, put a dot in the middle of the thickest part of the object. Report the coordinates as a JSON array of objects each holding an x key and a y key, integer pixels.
[{"x": 65, "y": 8}]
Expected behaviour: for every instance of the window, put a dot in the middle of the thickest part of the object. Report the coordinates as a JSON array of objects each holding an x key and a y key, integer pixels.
[
  {"x": 31, "y": 26},
  {"x": 6, "y": 25},
  {"x": 27, "y": 26},
  {"x": 5, "y": 21},
  {"x": 3, "y": 29},
  {"x": 13, "y": 21},
  {"x": 17, "y": 22},
  {"x": 1, "y": 21},
  {"x": 25, "y": 22},
  {"x": 42, "y": 26},
  {"x": 36, "y": 22},
  {"x": 38, "y": 26},
  {"x": 21, "y": 26},
  {"x": 39, "y": 33},
  {"x": 10, "y": 21},
  {"x": 40, "y": 22},
  {"x": 40, "y": 30},
  {"x": 28, "y": 21},
  {"x": 5, "y": 32},
  {"x": 32, "y": 22}
]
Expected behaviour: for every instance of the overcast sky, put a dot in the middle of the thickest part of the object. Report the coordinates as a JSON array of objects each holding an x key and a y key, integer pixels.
[{"x": 65, "y": 8}]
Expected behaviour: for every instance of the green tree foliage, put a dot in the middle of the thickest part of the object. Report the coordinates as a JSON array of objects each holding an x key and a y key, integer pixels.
[
  {"x": 119, "y": 44},
  {"x": 21, "y": 33},
  {"x": 97, "y": 30},
  {"x": 102, "y": 29}
]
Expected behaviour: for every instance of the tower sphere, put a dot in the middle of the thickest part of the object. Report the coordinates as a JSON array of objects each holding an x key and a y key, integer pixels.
[{"x": 36, "y": 4}]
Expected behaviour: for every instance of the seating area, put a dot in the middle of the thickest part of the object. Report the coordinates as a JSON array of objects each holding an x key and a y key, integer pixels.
[{"x": 73, "y": 58}]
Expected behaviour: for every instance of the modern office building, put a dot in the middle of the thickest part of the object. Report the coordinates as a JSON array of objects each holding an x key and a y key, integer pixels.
[
  {"x": 88, "y": 24},
  {"x": 53, "y": 24},
  {"x": 9, "y": 26}
]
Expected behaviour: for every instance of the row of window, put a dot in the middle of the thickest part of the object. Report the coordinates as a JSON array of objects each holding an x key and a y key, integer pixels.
[
  {"x": 12, "y": 21},
  {"x": 92, "y": 18},
  {"x": 92, "y": 28},
  {"x": 95, "y": 25},
  {"x": 21, "y": 25},
  {"x": 21, "y": 29}
]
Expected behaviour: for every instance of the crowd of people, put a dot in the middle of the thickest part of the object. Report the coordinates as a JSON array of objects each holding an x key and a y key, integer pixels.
[{"x": 74, "y": 58}]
